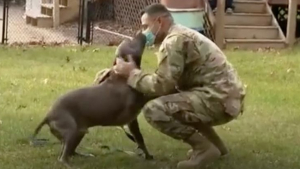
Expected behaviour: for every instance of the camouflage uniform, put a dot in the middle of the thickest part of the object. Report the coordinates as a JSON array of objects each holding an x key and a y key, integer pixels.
[
  {"x": 193, "y": 84},
  {"x": 195, "y": 88}
]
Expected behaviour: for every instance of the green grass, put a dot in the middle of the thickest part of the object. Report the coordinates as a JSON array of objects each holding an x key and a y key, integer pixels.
[{"x": 265, "y": 137}]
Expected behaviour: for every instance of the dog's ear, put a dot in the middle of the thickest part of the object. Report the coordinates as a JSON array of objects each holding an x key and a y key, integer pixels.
[{"x": 138, "y": 32}]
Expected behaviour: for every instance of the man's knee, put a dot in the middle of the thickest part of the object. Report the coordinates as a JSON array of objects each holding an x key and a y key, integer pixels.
[
  {"x": 174, "y": 106},
  {"x": 155, "y": 111},
  {"x": 159, "y": 115}
]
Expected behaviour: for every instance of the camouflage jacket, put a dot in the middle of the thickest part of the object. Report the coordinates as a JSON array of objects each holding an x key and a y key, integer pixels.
[{"x": 189, "y": 61}]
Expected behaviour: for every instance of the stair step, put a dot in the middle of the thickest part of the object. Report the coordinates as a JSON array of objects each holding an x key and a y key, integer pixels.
[
  {"x": 39, "y": 21},
  {"x": 35, "y": 15},
  {"x": 255, "y": 43},
  {"x": 51, "y": 6},
  {"x": 251, "y": 32},
  {"x": 248, "y": 19},
  {"x": 61, "y": 2},
  {"x": 47, "y": 8},
  {"x": 249, "y": 6}
]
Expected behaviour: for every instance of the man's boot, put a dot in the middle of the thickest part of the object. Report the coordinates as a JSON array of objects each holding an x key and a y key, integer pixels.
[
  {"x": 218, "y": 143},
  {"x": 204, "y": 152},
  {"x": 212, "y": 136}
]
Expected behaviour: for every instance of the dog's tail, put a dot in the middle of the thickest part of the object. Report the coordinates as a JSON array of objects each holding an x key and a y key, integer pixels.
[
  {"x": 35, "y": 141},
  {"x": 39, "y": 127}
]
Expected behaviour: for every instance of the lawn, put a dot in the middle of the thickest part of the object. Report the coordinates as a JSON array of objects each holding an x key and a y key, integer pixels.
[{"x": 266, "y": 136}]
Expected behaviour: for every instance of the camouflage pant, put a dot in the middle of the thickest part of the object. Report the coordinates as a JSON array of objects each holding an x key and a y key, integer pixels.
[{"x": 176, "y": 114}]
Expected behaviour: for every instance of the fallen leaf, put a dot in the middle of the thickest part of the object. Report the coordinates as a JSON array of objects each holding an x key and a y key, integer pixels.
[
  {"x": 95, "y": 50},
  {"x": 45, "y": 81},
  {"x": 289, "y": 70}
]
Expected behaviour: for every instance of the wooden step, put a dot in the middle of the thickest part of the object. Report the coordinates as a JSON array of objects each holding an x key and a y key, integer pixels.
[
  {"x": 255, "y": 43},
  {"x": 61, "y": 2},
  {"x": 44, "y": 22},
  {"x": 47, "y": 9},
  {"x": 249, "y": 6},
  {"x": 247, "y": 19},
  {"x": 251, "y": 32},
  {"x": 51, "y": 6},
  {"x": 34, "y": 14}
]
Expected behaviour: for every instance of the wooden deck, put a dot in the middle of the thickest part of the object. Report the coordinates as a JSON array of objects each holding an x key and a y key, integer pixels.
[
  {"x": 281, "y": 2},
  {"x": 220, "y": 27}
]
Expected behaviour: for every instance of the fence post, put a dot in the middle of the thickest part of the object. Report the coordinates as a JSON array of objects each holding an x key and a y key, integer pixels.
[
  {"x": 5, "y": 21},
  {"x": 220, "y": 16},
  {"x": 291, "y": 22},
  {"x": 56, "y": 15}
]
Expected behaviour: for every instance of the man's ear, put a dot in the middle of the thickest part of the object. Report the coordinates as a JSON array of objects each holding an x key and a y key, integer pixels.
[{"x": 159, "y": 20}]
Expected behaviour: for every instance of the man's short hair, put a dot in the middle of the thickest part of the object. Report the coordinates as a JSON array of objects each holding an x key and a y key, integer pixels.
[{"x": 155, "y": 9}]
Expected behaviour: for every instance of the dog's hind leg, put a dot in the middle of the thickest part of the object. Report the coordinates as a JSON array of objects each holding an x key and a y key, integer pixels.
[
  {"x": 65, "y": 129},
  {"x": 135, "y": 130},
  {"x": 77, "y": 139},
  {"x": 56, "y": 134}
]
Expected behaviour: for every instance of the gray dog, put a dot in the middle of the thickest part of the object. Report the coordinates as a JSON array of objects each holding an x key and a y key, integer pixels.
[{"x": 110, "y": 103}]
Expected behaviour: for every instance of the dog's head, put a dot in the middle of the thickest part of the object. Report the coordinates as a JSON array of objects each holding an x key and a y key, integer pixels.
[{"x": 134, "y": 48}]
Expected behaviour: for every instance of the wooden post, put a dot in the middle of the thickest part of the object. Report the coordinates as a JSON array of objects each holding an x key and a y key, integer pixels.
[
  {"x": 56, "y": 18},
  {"x": 220, "y": 17},
  {"x": 291, "y": 24}
]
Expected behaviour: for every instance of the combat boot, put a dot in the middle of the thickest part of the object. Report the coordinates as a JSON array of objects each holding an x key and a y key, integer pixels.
[
  {"x": 220, "y": 145},
  {"x": 213, "y": 137},
  {"x": 204, "y": 153}
]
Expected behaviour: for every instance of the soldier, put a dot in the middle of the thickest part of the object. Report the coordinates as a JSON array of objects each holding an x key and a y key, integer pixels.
[{"x": 194, "y": 86}]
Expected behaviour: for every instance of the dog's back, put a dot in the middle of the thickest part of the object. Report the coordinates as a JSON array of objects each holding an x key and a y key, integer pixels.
[{"x": 108, "y": 103}]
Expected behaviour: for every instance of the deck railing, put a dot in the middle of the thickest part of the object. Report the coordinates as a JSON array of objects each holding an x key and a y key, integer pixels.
[
  {"x": 220, "y": 23},
  {"x": 209, "y": 21},
  {"x": 214, "y": 23}
]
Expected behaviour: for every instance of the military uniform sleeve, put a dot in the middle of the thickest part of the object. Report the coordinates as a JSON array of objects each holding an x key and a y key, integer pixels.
[{"x": 171, "y": 61}]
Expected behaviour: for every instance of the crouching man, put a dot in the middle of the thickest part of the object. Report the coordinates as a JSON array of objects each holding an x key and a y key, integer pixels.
[{"x": 195, "y": 86}]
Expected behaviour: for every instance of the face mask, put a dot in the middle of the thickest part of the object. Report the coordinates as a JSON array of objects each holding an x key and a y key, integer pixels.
[{"x": 150, "y": 37}]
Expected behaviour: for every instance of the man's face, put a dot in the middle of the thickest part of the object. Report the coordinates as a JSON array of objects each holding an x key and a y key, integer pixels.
[{"x": 154, "y": 24}]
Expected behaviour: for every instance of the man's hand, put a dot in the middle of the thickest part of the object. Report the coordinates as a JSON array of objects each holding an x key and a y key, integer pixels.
[{"x": 124, "y": 68}]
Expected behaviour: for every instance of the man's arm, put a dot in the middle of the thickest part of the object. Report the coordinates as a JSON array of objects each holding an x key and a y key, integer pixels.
[{"x": 170, "y": 67}]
